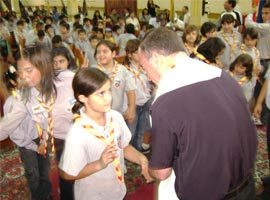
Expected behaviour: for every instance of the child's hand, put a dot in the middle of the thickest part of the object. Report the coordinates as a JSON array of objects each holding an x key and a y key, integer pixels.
[
  {"x": 130, "y": 115},
  {"x": 257, "y": 111},
  {"x": 107, "y": 156},
  {"x": 145, "y": 172},
  {"x": 41, "y": 149}
]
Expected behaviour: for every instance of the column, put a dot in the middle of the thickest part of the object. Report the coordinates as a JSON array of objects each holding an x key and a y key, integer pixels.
[
  {"x": 72, "y": 8},
  {"x": 15, "y": 6},
  {"x": 196, "y": 12}
]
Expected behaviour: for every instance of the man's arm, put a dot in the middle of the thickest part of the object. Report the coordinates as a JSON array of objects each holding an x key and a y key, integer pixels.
[
  {"x": 160, "y": 174},
  {"x": 260, "y": 27}
]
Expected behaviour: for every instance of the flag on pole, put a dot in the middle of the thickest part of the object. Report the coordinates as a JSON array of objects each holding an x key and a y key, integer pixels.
[
  {"x": 8, "y": 4},
  {"x": 64, "y": 9},
  {"x": 1, "y": 7},
  {"x": 24, "y": 14},
  {"x": 84, "y": 8},
  {"x": 172, "y": 10}
]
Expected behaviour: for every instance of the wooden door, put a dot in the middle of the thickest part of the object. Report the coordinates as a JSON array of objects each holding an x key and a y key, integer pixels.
[{"x": 120, "y": 5}]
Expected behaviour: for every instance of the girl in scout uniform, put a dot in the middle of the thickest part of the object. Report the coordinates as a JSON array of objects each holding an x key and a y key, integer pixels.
[
  {"x": 98, "y": 141},
  {"x": 28, "y": 120},
  {"x": 123, "y": 84},
  {"x": 232, "y": 39},
  {"x": 242, "y": 71},
  {"x": 143, "y": 94}
]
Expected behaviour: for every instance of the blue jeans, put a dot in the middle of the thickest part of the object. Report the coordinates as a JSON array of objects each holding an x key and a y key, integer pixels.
[
  {"x": 37, "y": 173},
  {"x": 140, "y": 125}
]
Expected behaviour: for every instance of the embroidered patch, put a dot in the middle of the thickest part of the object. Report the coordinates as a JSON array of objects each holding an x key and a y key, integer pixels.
[
  {"x": 37, "y": 109},
  {"x": 117, "y": 83}
]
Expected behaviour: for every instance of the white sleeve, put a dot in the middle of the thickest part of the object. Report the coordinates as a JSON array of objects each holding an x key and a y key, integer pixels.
[
  {"x": 260, "y": 27},
  {"x": 13, "y": 117},
  {"x": 73, "y": 158},
  {"x": 130, "y": 83}
]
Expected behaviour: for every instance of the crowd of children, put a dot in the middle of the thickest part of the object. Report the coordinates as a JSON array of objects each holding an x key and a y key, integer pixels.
[{"x": 94, "y": 112}]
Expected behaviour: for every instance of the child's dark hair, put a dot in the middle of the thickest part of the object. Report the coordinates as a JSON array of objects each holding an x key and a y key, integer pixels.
[
  {"x": 56, "y": 39},
  {"x": 207, "y": 27},
  {"x": 47, "y": 26},
  {"x": 86, "y": 19},
  {"x": 65, "y": 25},
  {"x": 41, "y": 34},
  {"x": 40, "y": 57},
  {"x": 188, "y": 30},
  {"x": 246, "y": 61},
  {"x": 130, "y": 28},
  {"x": 251, "y": 32},
  {"x": 63, "y": 51},
  {"x": 131, "y": 47},
  {"x": 81, "y": 31},
  {"x": 93, "y": 37},
  {"x": 211, "y": 48},
  {"x": 107, "y": 43},
  {"x": 227, "y": 18},
  {"x": 85, "y": 82},
  {"x": 115, "y": 28}
]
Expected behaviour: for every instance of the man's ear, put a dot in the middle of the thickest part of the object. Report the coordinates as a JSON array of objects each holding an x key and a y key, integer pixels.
[
  {"x": 82, "y": 98},
  {"x": 155, "y": 57}
]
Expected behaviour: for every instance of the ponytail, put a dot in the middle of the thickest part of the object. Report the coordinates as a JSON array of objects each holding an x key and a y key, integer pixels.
[{"x": 76, "y": 107}]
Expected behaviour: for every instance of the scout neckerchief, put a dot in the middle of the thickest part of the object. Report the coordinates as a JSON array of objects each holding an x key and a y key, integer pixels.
[
  {"x": 231, "y": 44},
  {"x": 242, "y": 80},
  {"x": 137, "y": 73},
  {"x": 109, "y": 141},
  {"x": 190, "y": 49},
  {"x": 49, "y": 132},
  {"x": 257, "y": 55},
  {"x": 113, "y": 72}
]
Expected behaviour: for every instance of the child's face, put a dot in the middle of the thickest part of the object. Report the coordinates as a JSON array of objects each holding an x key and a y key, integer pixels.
[
  {"x": 239, "y": 69},
  {"x": 82, "y": 36},
  {"x": 211, "y": 34},
  {"x": 94, "y": 43},
  {"x": 29, "y": 74},
  {"x": 108, "y": 34},
  {"x": 266, "y": 15},
  {"x": 50, "y": 31},
  {"x": 227, "y": 27},
  {"x": 60, "y": 62},
  {"x": 99, "y": 101},
  {"x": 20, "y": 27},
  {"x": 249, "y": 42},
  {"x": 104, "y": 55},
  {"x": 191, "y": 37},
  {"x": 87, "y": 23},
  {"x": 63, "y": 30},
  {"x": 135, "y": 56},
  {"x": 48, "y": 21},
  {"x": 100, "y": 35}
]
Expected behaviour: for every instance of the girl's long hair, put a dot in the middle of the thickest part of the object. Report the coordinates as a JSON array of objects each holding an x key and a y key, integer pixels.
[
  {"x": 40, "y": 57},
  {"x": 246, "y": 61}
]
